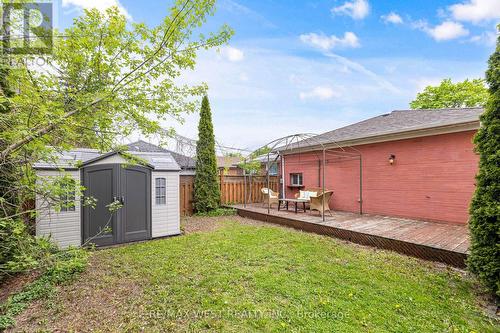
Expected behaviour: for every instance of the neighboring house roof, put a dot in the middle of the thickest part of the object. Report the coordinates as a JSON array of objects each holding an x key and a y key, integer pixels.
[
  {"x": 73, "y": 159},
  {"x": 386, "y": 127},
  {"x": 185, "y": 162},
  {"x": 228, "y": 161}
]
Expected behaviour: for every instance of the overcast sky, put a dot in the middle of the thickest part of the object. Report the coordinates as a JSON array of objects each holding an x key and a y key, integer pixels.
[{"x": 313, "y": 66}]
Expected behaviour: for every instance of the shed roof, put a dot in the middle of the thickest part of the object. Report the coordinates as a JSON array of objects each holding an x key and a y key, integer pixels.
[
  {"x": 398, "y": 121},
  {"x": 74, "y": 158}
]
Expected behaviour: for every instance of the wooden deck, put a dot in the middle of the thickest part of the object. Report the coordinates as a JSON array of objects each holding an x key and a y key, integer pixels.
[{"x": 447, "y": 243}]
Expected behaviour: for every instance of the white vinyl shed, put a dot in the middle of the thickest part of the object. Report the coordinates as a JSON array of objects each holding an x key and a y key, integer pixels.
[{"x": 149, "y": 194}]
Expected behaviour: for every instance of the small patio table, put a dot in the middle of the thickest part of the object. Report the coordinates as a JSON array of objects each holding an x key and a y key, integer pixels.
[{"x": 295, "y": 202}]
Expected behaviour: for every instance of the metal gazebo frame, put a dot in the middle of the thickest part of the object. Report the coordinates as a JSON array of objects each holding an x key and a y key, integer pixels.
[{"x": 297, "y": 143}]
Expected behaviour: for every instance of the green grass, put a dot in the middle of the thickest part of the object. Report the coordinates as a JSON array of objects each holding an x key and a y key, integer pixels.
[{"x": 246, "y": 278}]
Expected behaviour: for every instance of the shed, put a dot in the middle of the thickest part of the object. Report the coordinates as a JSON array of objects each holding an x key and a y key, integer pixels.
[{"x": 148, "y": 192}]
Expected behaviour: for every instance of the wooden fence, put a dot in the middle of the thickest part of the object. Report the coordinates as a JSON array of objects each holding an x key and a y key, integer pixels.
[{"x": 232, "y": 189}]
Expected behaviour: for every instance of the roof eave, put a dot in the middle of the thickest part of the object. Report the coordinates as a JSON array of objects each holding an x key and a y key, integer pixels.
[{"x": 416, "y": 133}]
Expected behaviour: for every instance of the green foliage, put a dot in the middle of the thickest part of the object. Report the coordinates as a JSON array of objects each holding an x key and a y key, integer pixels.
[
  {"x": 19, "y": 251},
  {"x": 113, "y": 77},
  {"x": 447, "y": 94},
  {"x": 206, "y": 186},
  {"x": 261, "y": 151},
  {"x": 105, "y": 79},
  {"x": 252, "y": 165},
  {"x": 484, "y": 224},
  {"x": 221, "y": 211},
  {"x": 64, "y": 267}
]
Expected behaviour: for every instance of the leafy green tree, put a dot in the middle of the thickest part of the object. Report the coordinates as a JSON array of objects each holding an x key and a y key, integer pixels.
[
  {"x": 105, "y": 79},
  {"x": 484, "y": 224},
  {"x": 469, "y": 93},
  {"x": 252, "y": 165},
  {"x": 206, "y": 186}
]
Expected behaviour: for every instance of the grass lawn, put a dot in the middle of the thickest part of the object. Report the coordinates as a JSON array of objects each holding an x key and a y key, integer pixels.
[{"x": 240, "y": 277}]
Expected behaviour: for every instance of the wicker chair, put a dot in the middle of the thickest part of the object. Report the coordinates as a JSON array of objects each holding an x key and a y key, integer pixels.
[
  {"x": 316, "y": 203},
  {"x": 272, "y": 197}
]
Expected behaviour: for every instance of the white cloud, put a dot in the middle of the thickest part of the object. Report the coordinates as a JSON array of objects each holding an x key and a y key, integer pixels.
[
  {"x": 357, "y": 67},
  {"x": 272, "y": 104},
  {"x": 330, "y": 42},
  {"x": 100, "y": 5},
  {"x": 357, "y": 9},
  {"x": 422, "y": 82},
  {"x": 487, "y": 38},
  {"x": 476, "y": 11},
  {"x": 244, "y": 77},
  {"x": 392, "y": 18},
  {"x": 232, "y": 54},
  {"x": 445, "y": 31},
  {"x": 320, "y": 92}
]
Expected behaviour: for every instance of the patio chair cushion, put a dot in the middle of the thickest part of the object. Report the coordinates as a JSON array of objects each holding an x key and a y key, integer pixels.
[{"x": 307, "y": 194}]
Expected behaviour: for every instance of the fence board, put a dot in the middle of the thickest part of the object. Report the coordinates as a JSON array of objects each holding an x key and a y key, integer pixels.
[{"x": 232, "y": 190}]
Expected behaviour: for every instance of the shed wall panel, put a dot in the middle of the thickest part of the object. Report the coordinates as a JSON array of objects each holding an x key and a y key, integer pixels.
[
  {"x": 63, "y": 227},
  {"x": 165, "y": 219}
]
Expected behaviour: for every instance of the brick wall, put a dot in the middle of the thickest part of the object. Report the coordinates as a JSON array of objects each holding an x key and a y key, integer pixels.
[{"x": 432, "y": 177}]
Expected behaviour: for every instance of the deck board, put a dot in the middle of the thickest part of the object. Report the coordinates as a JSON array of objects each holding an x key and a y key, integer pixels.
[{"x": 430, "y": 240}]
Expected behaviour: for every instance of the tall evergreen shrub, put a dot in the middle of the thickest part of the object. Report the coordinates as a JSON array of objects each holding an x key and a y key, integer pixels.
[
  {"x": 484, "y": 258},
  {"x": 206, "y": 187}
]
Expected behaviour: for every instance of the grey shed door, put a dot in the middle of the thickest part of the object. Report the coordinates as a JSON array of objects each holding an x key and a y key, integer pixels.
[
  {"x": 132, "y": 186},
  {"x": 135, "y": 184}
]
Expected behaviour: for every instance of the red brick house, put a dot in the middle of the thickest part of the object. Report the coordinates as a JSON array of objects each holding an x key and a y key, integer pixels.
[{"x": 415, "y": 163}]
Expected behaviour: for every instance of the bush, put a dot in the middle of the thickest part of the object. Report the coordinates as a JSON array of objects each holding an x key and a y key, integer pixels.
[
  {"x": 65, "y": 266},
  {"x": 20, "y": 251},
  {"x": 218, "y": 212},
  {"x": 484, "y": 224}
]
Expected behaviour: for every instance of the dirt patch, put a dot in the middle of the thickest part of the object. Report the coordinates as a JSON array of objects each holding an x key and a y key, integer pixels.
[
  {"x": 192, "y": 224},
  {"x": 15, "y": 284},
  {"x": 99, "y": 299}
]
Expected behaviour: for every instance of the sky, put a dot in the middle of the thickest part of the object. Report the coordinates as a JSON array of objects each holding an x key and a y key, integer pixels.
[{"x": 313, "y": 66}]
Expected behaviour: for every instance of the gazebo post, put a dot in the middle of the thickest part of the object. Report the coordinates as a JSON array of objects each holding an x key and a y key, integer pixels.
[
  {"x": 268, "y": 189},
  {"x": 282, "y": 176},
  {"x": 323, "y": 181},
  {"x": 244, "y": 184},
  {"x": 360, "y": 185}
]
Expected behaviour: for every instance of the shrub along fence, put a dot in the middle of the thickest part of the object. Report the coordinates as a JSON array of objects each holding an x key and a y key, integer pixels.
[{"x": 232, "y": 189}]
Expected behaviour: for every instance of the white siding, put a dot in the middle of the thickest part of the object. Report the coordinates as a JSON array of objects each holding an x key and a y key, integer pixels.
[
  {"x": 63, "y": 227},
  {"x": 165, "y": 219}
]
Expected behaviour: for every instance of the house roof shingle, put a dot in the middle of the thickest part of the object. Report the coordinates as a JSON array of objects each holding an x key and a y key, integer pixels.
[
  {"x": 228, "y": 161},
  {"x": 185, "y": 162},
  {"x": 397, "y": 121}
]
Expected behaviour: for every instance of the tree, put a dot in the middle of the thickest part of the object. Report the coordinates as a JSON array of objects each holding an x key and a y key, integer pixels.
[
  {"x": 252, "y": 164},
  {"x": 447, "y": 94},
  {"x": 206, "y": 187},
  {"x": 484, "y": 224},
  {"x": 104, "y": 79}
]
